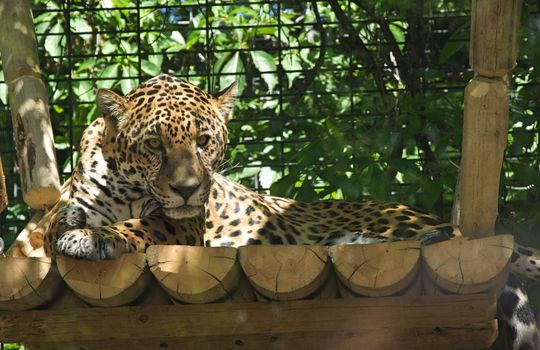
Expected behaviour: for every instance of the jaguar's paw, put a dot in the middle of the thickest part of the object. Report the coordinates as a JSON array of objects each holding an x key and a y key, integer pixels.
[{"x": 90, "y": 245}]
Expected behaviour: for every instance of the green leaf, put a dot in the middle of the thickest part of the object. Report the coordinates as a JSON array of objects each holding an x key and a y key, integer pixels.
[
  {"x": 267, "y": 176},
  {"x": 108, "y": 47},
  {"x": 126, "y": 85},
  {"x": 53, "y": 42},
  {"x": 3, "y": 89},
  {"x": 397, "y": 31},
  {"x": 150, "y": 68},
  {"x": 291, "y": 62},
  {"x": 307, "y": 193},
  {"x": 234, "y": 68},
  {"x": 79, "y": 25},
  {"x": 450, "y": 49},
  {"x": 265, "y": 63},
  {"x": 283, "y": 186},
  {"x": 60, "y": 142},
  {"x": 178, "y": 37},
  {"x": 111, "y": 72},
  {"x": 456, "y": 41}
]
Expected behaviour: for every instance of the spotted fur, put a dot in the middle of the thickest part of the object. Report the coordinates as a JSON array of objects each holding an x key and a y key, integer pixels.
[{"x": 147, "y": 175}]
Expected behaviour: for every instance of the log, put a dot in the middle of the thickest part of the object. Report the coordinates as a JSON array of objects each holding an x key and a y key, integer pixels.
[
  {"x": 485, "y": 129},
  {"x": 195, "y": 274},
  {"x": 331, "y": 289},
  {"x": 285, "y": 272},
  {"x": 469, "y": 266},
  {"x": 26, "y": 283},
  {"x": 494, "y": 36},
  {"x": 29, "y": 105},
  {"x": 3, "y": 189},
  {"x": 108, "y": 282},
  {"x": 67, "y": 299},
  {"x": 377, "y": 269},
  {"x": 427, "y": 322},
  {"x": 29, "y": 242}
]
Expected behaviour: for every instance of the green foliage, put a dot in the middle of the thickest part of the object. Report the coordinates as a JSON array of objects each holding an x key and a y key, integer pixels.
[{"x": 320, "y": 115}]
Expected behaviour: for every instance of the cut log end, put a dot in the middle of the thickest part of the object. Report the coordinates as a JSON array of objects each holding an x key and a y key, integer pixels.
[
  {"x": 286, "y": 272},
  {"x": 26, "y": 283},
  {"x": 377, "y": 269},
  {"x": 469, "y": 266},
  {"x": 108, "y": 282},
  {"x": 195, "y": 274},
  {"x": 43, "y": 197}
]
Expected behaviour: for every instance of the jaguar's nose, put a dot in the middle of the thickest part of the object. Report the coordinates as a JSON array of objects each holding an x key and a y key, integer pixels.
[{"x": 185, "y": 191}]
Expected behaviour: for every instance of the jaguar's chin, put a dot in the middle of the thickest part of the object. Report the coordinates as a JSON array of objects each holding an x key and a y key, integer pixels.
[{"x": 184, "y": 212}]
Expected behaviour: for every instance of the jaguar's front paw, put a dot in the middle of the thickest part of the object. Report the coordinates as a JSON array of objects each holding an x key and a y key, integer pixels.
[{"x": 90, "y": 245}]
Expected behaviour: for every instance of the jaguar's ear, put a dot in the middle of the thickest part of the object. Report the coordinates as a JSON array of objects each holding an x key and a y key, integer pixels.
[
  {"x": 111, "y": 104},
  {"x": 225, "y": 100}
]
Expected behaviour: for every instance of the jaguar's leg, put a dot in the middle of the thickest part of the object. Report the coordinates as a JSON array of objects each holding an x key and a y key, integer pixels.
[
  {"x": 436, "y": 235},
  {"x": 70, "y": 217},
  {"x": 519, "y": 324},
  {"x": 134, "y": 235},
  {"x": 63, "y": 217}
]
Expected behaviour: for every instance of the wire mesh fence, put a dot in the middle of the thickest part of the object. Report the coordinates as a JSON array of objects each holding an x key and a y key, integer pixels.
[{"x": 337, "y": 98}]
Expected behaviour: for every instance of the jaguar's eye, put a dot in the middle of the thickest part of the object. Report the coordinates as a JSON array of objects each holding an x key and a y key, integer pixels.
[
  {"x": 202, "y": 140},
  {"x": 154, "y": 144}
]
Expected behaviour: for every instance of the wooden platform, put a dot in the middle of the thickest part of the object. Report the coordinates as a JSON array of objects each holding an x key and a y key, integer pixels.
[{"x": 388, "y": 295}]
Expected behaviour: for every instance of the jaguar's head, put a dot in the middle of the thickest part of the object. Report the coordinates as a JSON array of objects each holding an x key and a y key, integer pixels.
[{"x": 171, "y": 138}]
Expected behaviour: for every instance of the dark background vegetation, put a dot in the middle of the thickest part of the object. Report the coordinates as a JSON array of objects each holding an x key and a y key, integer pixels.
[{"x": 338, "y": 99}]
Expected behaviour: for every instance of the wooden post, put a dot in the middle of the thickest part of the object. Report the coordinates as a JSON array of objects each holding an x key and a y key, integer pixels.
[
  {"x": 29, "y": 107},
  {"x": 3, "y": 189},
  {"x": 492, "y": 56}
]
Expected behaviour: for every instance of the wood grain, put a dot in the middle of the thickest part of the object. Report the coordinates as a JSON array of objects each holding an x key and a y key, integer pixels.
[
  {"x": 26, "y": 283},
  {"x": 397, "y": 317},
  {"x": 107, "y": 282},
  {"x": 285, "y": 272},
  {"x": 29, "y": 105},
  {"x": 195, "y": 274},
  {"x": 377, "y": 269},
  {"x": 469, "y": 266}
]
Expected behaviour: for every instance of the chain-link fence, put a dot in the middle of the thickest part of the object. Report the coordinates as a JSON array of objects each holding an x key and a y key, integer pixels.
[{"x": 337, "y": 98}]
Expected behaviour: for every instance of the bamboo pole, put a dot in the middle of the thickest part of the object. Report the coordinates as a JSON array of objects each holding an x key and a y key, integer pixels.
[
  {"x": 485, "y": 126},
  {"x": 29, "y": 105}
]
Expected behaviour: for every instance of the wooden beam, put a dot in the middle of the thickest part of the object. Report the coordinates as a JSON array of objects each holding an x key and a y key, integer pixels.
[
  {"x": 29, "y": 105},
  {"x": 460, "y": 321},
  {"x": 472, "y": 336}
]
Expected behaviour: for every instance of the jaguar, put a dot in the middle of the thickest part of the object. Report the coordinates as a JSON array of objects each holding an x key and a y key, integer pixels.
[{"x": 148, "y": 174}]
